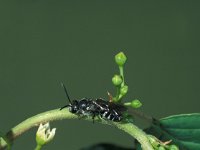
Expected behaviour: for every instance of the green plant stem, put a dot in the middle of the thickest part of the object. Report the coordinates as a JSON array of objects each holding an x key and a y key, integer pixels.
[
  {"x": 38, "y": 147},
  {"x": 127, "y": 104},
  {"x": 121, "y": 72},
  {"x": 58, "y": 114},
  {"x": 116, "y": 98}
]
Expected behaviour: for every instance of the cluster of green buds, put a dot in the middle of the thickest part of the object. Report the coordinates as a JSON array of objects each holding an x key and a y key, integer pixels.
[
  {"x": 159, "y": 145},
  {"x": 118, "y": 79},
  {"x": 44, "y": 135},
  {"x": 119, "y": 82}
]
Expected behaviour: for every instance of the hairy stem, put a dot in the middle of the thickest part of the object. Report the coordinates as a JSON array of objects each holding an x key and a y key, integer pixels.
[{"x": 57, "y": 114}]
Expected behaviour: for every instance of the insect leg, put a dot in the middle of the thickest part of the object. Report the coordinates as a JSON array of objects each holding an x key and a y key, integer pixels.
[{"x": 93, "y": 116}]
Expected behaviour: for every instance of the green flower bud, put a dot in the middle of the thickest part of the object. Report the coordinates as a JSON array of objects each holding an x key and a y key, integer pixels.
[
  {"x": 161, "y": 148},
  {"x": 120, "y": 58},
  {"x": 44, "y": 135},
  {"x": 123, "y": 90},
  {"x": 173, "y": 147},
  {"x": 117, "y": 80},
  {"x": 136, "y": 103}
]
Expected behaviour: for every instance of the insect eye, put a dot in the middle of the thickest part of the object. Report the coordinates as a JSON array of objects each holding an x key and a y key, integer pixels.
[{"x": 74, "y": 109}]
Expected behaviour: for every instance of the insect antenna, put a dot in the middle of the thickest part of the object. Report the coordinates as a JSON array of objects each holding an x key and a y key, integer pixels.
[
  {"x": 64, "y": 107},
  {"x": 66, "y": 93}
]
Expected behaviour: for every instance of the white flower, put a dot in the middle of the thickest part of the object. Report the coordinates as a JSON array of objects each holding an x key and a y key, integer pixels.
[{"x": 44, "y": 134}]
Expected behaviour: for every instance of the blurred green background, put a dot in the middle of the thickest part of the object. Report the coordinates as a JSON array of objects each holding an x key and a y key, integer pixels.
[{"x": 43, "y": 43}]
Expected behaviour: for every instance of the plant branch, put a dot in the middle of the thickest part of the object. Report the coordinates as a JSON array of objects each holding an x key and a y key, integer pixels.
[
  {"x": 57, "y": 114},
  {"x": 121, "y": 71}
]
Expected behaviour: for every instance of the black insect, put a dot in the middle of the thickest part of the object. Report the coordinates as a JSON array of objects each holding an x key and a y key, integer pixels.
[{"x": 98, "y": 107}]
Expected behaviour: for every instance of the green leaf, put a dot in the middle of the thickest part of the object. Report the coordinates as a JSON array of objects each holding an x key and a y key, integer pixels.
[{"x": 183, "y": 130}]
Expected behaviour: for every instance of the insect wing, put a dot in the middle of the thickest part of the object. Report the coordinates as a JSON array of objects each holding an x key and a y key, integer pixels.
[
  {"x": 101, "y": 104},
  {"x": 117, "y": 106}
]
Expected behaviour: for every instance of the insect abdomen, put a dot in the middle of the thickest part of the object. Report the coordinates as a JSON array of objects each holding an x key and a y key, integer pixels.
[{"x": 110, "y": 115}]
